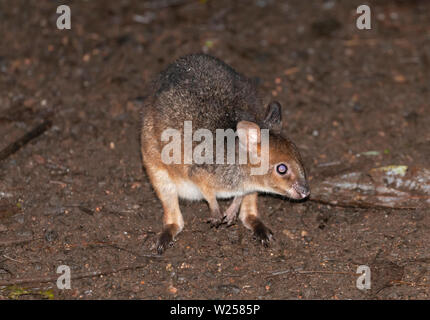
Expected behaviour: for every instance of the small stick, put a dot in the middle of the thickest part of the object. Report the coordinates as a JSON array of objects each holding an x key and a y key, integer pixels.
[
  {"x": 325, "y": 272},
  {"x": 278, "y": 273},
  {"x": 358, "y": 205},
  {"x": 12, "y": 259},
  {"x": 411, "y": 284},
  {"x": 81, "y": 275},
  {"x": 7, "y": 243},
  {"x": 26, "y": 138},
  {"x": 161, "y": 4}
]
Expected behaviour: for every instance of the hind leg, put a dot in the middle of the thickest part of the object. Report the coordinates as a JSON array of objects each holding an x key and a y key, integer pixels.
[
  {"x": 249, "y": 217},
  {"x": 173, "y": 221}
]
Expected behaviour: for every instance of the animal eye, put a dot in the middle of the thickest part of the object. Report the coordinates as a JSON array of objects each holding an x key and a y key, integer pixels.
[{"x": 281, "y": 169}]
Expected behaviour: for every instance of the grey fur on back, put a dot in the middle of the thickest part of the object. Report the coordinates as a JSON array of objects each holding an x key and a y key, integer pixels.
[{"x": 205, "y": 90}]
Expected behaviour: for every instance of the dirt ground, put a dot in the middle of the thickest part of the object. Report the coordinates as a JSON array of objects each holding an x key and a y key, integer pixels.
[{"x": 77, "y": 194}]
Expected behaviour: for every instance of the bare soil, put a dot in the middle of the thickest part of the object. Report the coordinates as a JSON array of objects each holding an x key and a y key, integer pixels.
[{"x": 77, "y": 194}]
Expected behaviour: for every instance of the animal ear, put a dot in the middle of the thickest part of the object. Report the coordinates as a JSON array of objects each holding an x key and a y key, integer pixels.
[
  {"x": 249, "y": 134},
  {"x": 273, "y": 118}
]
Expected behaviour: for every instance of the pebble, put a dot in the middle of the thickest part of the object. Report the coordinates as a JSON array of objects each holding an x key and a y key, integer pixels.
[
  {"x": 146, "y": 18},
  {"x": 19, "y": 218},
  {"x": 51, "y": 235},
  {"x": 5, "y": 194},
  {"x": 307, "y": 239},
  {"x": 328, "y": 5},
  {"x": 289, "y": 234},
  {"x": 172, "y": 290},
  {"x": 228, "y": 288},
  {"x": 357, "y": 108},
  {"x": 25, "y": 234},
  {"x": 89, "y": 292},
  {"x": 55, "y": 211},
  {"x": 182, "y": 280}
]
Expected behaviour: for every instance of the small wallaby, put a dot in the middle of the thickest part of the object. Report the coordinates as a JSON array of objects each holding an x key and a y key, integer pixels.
[{"x": 203, "y": 91}]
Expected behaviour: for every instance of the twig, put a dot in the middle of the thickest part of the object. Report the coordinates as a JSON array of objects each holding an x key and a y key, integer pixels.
[
  {"x": 138, "y": 255},
  {"x": 329, "y": 164},
  {"x": 81, "y": 275},
  {"x": 278, "y": 273},
  {"x": 411, "y": 284},
  {"x": 14, "y": 242},
  {"x": 325, "y": 272},
  {"x": 26, "y": 138},
  {"x": 12, "y": 259},
  {"x": 161, "y": 4},
  {"x": 103, "y": 244},
  {"x": 359, "y": 205}
]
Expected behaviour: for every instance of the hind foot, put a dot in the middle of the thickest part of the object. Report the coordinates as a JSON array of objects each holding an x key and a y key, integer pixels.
[{"x": 166, "y": 238}]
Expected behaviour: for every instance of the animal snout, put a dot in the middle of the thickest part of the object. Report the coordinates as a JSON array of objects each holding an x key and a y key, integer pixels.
[{"x": 302, "y": 189}]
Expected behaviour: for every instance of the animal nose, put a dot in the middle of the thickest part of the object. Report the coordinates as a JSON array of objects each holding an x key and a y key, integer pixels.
[{"x": 303, "y": 190}]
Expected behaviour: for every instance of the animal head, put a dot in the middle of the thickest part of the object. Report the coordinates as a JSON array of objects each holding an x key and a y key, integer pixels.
[{"x": 285, "y": 174}]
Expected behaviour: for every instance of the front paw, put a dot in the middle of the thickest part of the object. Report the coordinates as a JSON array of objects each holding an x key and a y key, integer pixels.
[
  {"x": 263, "y": 234},
  {"x": 230, "y": 220},
  {"x": 215, "y": 222}
]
